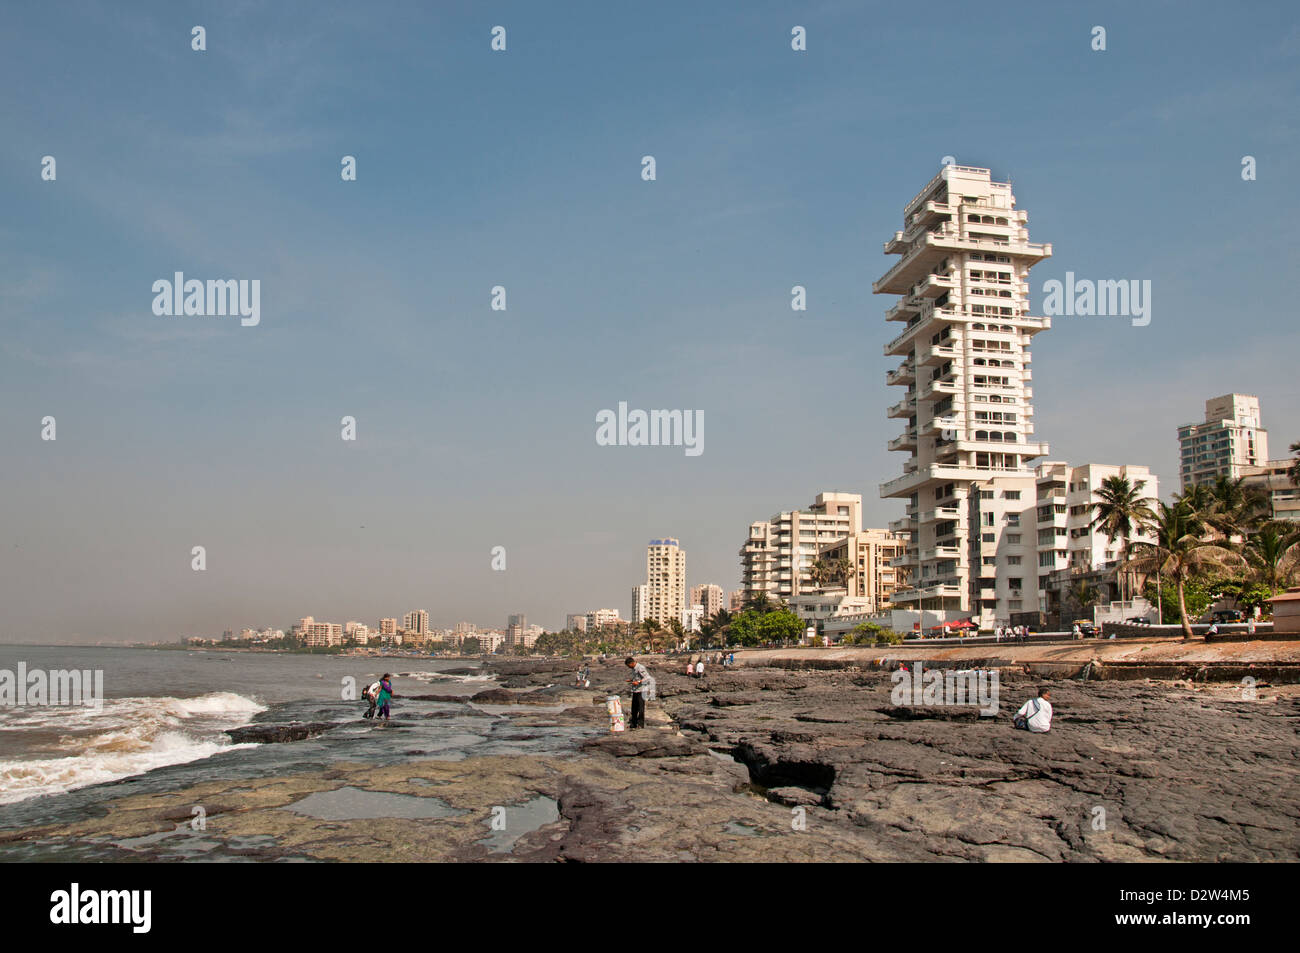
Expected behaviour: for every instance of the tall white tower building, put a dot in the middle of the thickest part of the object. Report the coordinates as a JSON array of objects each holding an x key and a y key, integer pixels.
[{"x": 966, "y": 410}]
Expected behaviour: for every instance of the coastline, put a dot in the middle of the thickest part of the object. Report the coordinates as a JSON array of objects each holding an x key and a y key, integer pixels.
[{"x": 730, "y": 763}]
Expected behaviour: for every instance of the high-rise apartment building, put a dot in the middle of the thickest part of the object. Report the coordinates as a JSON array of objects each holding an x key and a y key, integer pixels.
[
  {"x": 963, "y": 282},
  {"x": 387, "y": 627},
  {"x": 416, "y": 622},
  {"x": 576, "y": 622},
  {"x": 640, "y": 603},
  {"x": 778, "y": 555},
  {"x": 709, "y": 597},
  {"x": 665, "y": 587},
  {"x": 1231, "y": 439}
]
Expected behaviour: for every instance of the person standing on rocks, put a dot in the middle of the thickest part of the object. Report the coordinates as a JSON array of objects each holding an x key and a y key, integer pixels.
[
  {"x": 371, "y": 695},
  {"x": 642, "y": 683},
  {"x": 385, "y": 695},
  {"x": 1036, "y": 714}
]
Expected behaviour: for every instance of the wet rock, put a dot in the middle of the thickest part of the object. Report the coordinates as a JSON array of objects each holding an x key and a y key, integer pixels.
[
  {"x": 277, "y": 734},
  {"x": 644, "y": 744}
]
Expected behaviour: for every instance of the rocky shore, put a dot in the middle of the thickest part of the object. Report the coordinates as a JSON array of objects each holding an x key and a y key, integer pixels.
[{"x": 777, "y": 764}]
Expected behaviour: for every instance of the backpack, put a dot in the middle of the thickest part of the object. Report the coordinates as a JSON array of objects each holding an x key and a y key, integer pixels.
[{"x": 1022, "y": 721}]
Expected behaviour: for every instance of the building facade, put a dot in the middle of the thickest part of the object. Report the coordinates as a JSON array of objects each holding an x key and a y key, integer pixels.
[
  {"x": 1231, "y": 439},
  {"x": 709, "y": 596},
  {"x": 965, "y": 369},
  {"x": 778, "y": 555},
  {"x": 1274, "y": 482},
  {"x": 665, "y": 587}
]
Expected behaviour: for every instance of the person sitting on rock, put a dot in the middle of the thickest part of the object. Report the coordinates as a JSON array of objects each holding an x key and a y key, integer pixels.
[{"x": 1036, "y": 714}]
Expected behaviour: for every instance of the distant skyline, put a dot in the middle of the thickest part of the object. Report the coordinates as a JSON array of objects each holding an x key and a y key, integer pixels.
[{"x": 477, "y": 428}]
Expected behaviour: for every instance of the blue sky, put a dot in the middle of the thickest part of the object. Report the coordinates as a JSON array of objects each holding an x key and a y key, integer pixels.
[{"x": 476, "y": 428}]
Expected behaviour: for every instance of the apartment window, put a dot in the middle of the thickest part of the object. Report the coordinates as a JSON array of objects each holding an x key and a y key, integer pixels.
[
  {"x": 986, "y": 494},
  {"x": 1016, "y": 582},
  {"x": 987, "y": 519},
  {"x": 1010, "y": 494},
  {"x": 990, "y": 560},
  {"x": 1013, "y": 539},
  {"x": 989, "y": 538},
  {"x": 1013, "y": 560}
]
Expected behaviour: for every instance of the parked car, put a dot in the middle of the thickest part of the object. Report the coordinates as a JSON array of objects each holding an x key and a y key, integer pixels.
[
  {"x": 1086, "y": 626},
  {"x": 1138, "y": 620}
]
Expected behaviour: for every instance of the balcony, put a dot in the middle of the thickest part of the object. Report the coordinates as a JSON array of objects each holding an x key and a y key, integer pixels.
[
  {"x": 900, "y": 346},
  {"x": 904, "y": 441},
  {"x": 905, "y": 373},
  {"x": 932, "y": 286},
  {"x": 903, "y": 309},
  {"x": 932, "y": 212},
  {"x": 935, "y": 424},
  {"x": 915, "y": 477},
  {"x": 916, "y": 263},
  {"x": 940, "y": 513},
  {"x": 904, "y": 408},
  {"x": 903, "y": 525},
  {"x": 941, "y": 552},
  {"x": 937, "y": 354}
]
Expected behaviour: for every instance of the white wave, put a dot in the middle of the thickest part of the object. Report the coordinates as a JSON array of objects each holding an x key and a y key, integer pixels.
[
  {"x": 128, "y": 736},
  {"x": 20, "y": 780}
]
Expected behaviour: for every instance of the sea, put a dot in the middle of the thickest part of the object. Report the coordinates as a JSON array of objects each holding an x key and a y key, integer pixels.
[{"x": 163, "y": 720}]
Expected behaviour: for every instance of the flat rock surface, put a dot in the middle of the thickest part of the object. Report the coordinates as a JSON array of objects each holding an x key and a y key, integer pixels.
[{"x": 811, "y": 766}]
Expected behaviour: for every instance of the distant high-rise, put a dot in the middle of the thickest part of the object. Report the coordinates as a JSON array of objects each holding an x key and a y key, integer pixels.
[
  {"x": 1231, "y": 438},
  {"x": 416, "y": 622},
  {"x": 639, "y": 595},
  {"x": 665, "y": 592},
  {"x": 779, "y": 553},
  {"x": 963, "y": 282},
  {"x": 709, "y": 596}
]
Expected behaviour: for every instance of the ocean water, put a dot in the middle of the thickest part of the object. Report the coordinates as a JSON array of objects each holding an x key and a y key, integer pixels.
[{"x": 163, "y": 723}]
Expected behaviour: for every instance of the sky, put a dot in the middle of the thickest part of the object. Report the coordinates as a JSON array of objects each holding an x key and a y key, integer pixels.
[{"x": 522, "y": 168}]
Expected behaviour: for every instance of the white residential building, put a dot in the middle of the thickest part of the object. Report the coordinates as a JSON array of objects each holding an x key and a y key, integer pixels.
[
  {"x": 966, "y": 410},
  {"x": 779, "y": 553},
  {"x": 1231, "y": 439},
  {"x": 665, "y": 590}
]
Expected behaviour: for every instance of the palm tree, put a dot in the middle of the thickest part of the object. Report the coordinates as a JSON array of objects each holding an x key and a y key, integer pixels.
[
  {"x": 1273, "y": 554},
  {"x": 820, "y": 573},
  {"x": 1122, "y": 510},
  {"x": 843, "y": 570},
  {"x": 1237, "y": 510},
  {"x": 1182, "y": 549},
  {"x": 679, "y": 631},
  {"x": 1083, "y": 594},
  {"x": 1294, "y": 472},
  {"x": 651, "y": 629}
]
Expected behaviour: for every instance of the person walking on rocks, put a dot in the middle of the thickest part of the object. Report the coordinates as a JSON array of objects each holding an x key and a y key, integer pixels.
[
  {"x": 385, "y": 695},
  {"x": 642, "y": 683},
  {"x": 1036, "y": 714}
]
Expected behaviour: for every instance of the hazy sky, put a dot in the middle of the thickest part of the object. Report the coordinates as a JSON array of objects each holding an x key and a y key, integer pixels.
[{"x": 476, "y": 428}]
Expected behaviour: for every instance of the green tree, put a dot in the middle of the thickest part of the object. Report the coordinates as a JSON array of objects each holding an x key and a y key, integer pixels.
[
  {"x": 1273, "y": 555},
  {"x": 1183, "y": 550},
  {"x": 1122, "y": 511},
  {"x": 1083, "y": 595},
  {"x": 1294, "y": 472}
]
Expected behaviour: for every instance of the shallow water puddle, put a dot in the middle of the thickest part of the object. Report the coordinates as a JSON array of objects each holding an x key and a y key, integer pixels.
[
  {"x": 520, "y": 819},
  {"x": 355, "y": 804}
]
